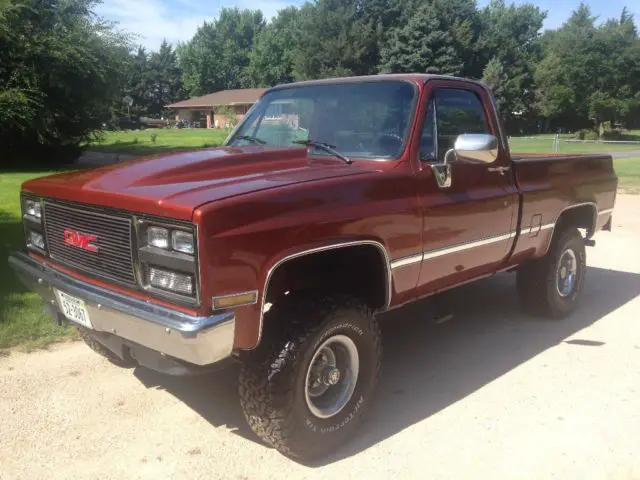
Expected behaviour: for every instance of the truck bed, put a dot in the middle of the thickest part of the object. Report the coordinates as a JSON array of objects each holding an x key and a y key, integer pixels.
[{"x": 551, "y": 183}]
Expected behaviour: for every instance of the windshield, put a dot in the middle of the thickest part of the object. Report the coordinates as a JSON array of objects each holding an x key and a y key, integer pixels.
[{"x": 366, "y": 120}]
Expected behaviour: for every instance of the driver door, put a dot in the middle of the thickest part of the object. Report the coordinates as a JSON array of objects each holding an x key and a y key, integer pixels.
[{"x": 469, "y": 226}]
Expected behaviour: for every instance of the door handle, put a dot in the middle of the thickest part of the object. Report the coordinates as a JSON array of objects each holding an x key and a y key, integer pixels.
[{"x": 501, "y": 170}]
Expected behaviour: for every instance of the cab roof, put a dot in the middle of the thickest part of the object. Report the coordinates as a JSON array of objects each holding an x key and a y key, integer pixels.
[{"x": 411, "y": 77}]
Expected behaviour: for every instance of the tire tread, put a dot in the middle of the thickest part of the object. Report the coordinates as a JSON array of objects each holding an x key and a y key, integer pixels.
[
  {"x": 267, "y": 398},
  {"x": 535, "y": 281}
]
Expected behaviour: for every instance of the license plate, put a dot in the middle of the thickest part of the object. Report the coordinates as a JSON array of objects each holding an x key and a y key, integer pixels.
[{"x": 74, "y": 309}]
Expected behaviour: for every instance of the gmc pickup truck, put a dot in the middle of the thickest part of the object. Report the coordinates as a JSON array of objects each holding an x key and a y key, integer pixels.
[{"x": 331, "y": 201}]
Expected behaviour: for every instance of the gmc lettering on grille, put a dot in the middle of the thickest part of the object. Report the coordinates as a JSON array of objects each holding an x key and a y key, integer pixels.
[{"x": 80, "y": 240}]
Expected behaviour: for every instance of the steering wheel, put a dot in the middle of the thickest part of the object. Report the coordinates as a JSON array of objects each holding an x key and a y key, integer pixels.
[
  {"x": 389, "y": 142},
  {"x": 393, "y": 135}
]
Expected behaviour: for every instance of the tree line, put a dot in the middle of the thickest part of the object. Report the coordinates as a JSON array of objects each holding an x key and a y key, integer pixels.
[
  {"x": 582, "y": 75},
  {"x": 64, "y": 72}
]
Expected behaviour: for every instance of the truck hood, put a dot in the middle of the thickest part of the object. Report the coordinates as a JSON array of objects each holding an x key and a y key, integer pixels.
[{"x": 174, "y": 184}]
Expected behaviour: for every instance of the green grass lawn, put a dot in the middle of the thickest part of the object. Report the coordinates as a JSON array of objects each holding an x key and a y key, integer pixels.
[
  {"x": 140, "y": 142},
  {"x": 628, "y": 171},
  {"x": 544, "y": 144},
  {"x": 22, "y": 320}
]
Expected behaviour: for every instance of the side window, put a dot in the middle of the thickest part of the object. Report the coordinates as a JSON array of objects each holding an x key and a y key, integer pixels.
[
  {"x": 428, "y": 136},
  {"x": 457, "y": 112}
]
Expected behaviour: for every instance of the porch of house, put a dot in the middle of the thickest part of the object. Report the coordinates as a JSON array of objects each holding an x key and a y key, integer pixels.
[{"x": 223, "y": 116}]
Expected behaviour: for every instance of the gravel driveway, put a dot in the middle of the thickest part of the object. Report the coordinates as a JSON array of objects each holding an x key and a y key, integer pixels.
[
  {"x": 625, "y": 154},
  {"x": 491, "y": 393}
]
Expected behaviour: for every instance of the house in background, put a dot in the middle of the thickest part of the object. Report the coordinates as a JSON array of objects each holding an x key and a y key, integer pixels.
[{"x": 213, "y": 110}]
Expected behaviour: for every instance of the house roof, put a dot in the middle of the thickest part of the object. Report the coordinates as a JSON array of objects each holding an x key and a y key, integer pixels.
[{"x": 243, "y": 96}]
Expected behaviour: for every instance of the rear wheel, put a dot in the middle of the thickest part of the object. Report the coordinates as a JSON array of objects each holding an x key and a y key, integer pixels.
[
  {"x": 553, "y": 285},
  {"x": 305, "y": 388}
]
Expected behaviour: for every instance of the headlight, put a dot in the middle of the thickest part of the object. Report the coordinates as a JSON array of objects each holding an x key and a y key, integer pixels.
[
  {"x": 36, "y": 239},
  {"x": 182, "y": 242},
  {"x": 158, "y": 237},
  {"x": 32, "y": 214},
  {"x": 33, "y": 208},
  {"x": 167, "y": 259},
  {"x": 175, "y": 282}
]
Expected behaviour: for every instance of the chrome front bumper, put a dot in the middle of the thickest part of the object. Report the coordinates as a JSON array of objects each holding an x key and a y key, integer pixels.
[{"x": 197, "y": 340}]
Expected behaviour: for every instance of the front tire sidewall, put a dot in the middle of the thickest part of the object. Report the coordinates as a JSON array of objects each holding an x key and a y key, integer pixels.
[{"x": 332, "y": 430}]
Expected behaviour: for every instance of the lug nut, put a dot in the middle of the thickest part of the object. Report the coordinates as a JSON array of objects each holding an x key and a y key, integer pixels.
[{"x": 331, "y": 376}]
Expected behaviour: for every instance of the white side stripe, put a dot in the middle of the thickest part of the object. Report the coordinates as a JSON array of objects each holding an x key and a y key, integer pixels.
[
  {"x": 401, "y": 262},
  {"x": 466, "y": 246},
  {"x": 429, "y": 254}
]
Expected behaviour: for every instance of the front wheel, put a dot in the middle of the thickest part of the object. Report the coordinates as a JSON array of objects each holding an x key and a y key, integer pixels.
[
  {"x": 304, "y": 390},
  {"x": 97, "y": 347},
  {"x": 553, "y": 284}
]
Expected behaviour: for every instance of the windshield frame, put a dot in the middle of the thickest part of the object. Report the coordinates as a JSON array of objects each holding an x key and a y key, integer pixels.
[{"x": 259, "y": 108}]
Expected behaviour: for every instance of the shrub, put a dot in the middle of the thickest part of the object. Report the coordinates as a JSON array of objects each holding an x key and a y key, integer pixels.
[
  {"x": 591, "y": 135},
  {"x": 620, "y": 135},
  {"x": 61, "y": 67},
  {"x": 586, "y": 134}
]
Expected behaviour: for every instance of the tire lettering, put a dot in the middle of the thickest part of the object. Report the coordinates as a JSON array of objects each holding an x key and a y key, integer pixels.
[
  {"x": 337, "y": 426},
  {"x": 311, "y": 425},
  {"x": 341, "y": 326}
]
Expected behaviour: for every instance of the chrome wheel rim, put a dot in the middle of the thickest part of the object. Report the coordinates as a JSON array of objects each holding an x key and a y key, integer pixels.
[
  {"x": 331, "y": 376},
  {"x": 567, "y": 273}
]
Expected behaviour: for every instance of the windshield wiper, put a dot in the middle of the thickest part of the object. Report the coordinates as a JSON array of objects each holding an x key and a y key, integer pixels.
[
  {"x": 326, "y": 147},
  {"x": 249, "y": 138}
]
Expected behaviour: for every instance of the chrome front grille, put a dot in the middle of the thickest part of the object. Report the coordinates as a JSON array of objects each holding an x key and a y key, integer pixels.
[{"x": 113, "y": 259}]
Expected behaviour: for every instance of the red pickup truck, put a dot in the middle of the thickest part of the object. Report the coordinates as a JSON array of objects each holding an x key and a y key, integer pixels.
[{"x": 330, "y": 202}]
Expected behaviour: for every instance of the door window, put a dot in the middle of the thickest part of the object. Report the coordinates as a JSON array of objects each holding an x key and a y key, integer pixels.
[
  {"x": 457, "y": 112},
  {"x": 428, "y": 136}
]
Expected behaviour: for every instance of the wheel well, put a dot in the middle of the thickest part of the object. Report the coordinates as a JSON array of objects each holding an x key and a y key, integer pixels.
[
  {"x": 358, "y": 270},
  {"x": 582, "y": 216}
]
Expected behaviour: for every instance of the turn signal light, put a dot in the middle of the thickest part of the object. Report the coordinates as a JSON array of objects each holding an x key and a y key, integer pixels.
[{"x": 236, "y": 300}]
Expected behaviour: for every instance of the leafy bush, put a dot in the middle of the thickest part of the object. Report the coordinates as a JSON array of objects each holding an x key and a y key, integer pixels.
[
  {"x": 591, "y": 135},
  {"x": 60, "y": 70},
  {"x": 586, "y": 134},
  {"x": 620, "y": 136},
  {"x": 229, "y": 113}
]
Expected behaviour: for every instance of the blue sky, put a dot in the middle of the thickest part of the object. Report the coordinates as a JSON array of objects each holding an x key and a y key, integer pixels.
[{"x": 178, "y": 20}]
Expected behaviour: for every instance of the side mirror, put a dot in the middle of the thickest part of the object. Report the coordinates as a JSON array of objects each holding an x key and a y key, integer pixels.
[{"x": 476, "y": 148}]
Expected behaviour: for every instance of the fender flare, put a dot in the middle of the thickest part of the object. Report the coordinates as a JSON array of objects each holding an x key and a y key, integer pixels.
[
  {"x": 334, "y": 246},
  {"x": 590, "y": 231}
]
